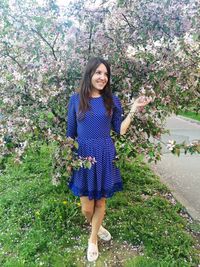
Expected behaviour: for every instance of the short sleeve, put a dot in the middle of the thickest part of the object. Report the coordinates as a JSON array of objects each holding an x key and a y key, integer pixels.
[
  {"x": 71, "y": 119},
  {"x": 117, "y": 115}
]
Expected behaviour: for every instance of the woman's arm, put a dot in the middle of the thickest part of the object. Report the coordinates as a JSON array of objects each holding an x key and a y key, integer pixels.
[{"x": 139, "y": 102}]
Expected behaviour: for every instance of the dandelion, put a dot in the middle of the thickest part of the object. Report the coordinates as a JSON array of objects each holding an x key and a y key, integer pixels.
[{"x": 65, "y": 202}]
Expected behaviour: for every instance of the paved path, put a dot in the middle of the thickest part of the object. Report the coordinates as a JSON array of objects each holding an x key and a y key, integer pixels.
[{"x": 182, "y": 174}]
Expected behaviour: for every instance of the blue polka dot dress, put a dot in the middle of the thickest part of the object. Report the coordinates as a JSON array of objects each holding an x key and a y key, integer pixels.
[{"x": 93, "y": 136}]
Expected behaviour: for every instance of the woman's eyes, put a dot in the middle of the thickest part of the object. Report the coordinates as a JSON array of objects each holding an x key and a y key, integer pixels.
[{"x": 99, "y": 72}]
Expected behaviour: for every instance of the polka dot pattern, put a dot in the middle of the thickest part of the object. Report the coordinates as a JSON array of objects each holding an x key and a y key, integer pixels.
[{"x": 93, "y": 135}]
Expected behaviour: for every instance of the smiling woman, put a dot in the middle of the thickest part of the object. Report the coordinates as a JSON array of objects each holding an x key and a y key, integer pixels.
[{"x": 92, "y": 113}]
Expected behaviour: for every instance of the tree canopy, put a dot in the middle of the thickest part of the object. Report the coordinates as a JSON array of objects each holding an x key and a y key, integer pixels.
[{"x": 152, "y": 46}]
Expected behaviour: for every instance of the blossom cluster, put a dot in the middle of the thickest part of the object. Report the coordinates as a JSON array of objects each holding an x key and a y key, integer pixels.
[{"x": 171, "y": 145}]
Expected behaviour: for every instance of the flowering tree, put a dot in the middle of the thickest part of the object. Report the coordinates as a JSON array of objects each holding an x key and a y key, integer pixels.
[{"x": 153, "y": 50}]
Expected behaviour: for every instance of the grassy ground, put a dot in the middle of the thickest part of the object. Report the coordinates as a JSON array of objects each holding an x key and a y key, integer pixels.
[
  {"x": 190, "y": 114},
  {"x": 41, "y": 224}
]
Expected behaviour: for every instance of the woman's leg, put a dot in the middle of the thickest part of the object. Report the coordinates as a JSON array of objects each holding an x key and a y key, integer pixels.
[
  {"x": 94, "y": 211},
  {"x": 87, "y": 207},
  {"x": 97, "y": 218}
]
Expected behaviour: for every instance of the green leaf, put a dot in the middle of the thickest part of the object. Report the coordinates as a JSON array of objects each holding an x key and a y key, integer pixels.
[
  {"x": 151, "y": 154},
  {"x": 50, "y": 115},
  {"x": 177, "y": 151},
  {"x": 88, "y": 164},
  {"x": 76, "y": 145}
]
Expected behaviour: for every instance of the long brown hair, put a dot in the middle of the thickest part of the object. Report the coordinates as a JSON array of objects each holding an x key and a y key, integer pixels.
[{"x": 86, "y": 87}]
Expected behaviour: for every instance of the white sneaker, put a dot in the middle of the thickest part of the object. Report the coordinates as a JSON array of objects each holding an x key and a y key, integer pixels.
[
  {"x": 104, "y": 234},
  {"x": 92, "y": 252}
]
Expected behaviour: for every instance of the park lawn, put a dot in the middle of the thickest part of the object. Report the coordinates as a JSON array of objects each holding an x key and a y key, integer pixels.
[
  {"x": 41, "y": 224},
  {"x": 190, "y": 114}
]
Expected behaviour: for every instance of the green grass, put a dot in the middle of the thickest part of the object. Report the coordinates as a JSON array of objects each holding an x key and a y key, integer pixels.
[
  {"x": 41, "y": 224},
  {"x": 190, "y": 114},
  {"x": 143, "y": 261}
]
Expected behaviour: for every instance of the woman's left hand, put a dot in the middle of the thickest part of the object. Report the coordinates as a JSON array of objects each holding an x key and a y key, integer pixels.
[{"x": 140, "y": 103}]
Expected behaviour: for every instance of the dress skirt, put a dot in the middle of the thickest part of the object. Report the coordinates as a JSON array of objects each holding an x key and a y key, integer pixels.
[{"x": 103, "y": 179}]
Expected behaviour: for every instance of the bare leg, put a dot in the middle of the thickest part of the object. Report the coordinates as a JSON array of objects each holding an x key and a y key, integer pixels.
[
  {"x": 87, "y": 207},
  {"x": 94, "y": 211},
  {"x": 97, "y": 218}
]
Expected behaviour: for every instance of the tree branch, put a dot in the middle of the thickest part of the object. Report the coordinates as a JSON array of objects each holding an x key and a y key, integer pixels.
[
  {"x": 129, "y": 24},
  {"x": 90, "y": 39},
  {"x": 14, "y": 59},
  {"x": 54, "y": 42},
  {"x": 51, "y": 47}
]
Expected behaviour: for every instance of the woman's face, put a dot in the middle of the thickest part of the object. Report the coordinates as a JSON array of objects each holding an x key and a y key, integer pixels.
[{"x": 99, "y": 78}]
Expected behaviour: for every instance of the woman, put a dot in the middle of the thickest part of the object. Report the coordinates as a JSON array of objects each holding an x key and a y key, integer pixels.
[{"x": 92, "y": 113}]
